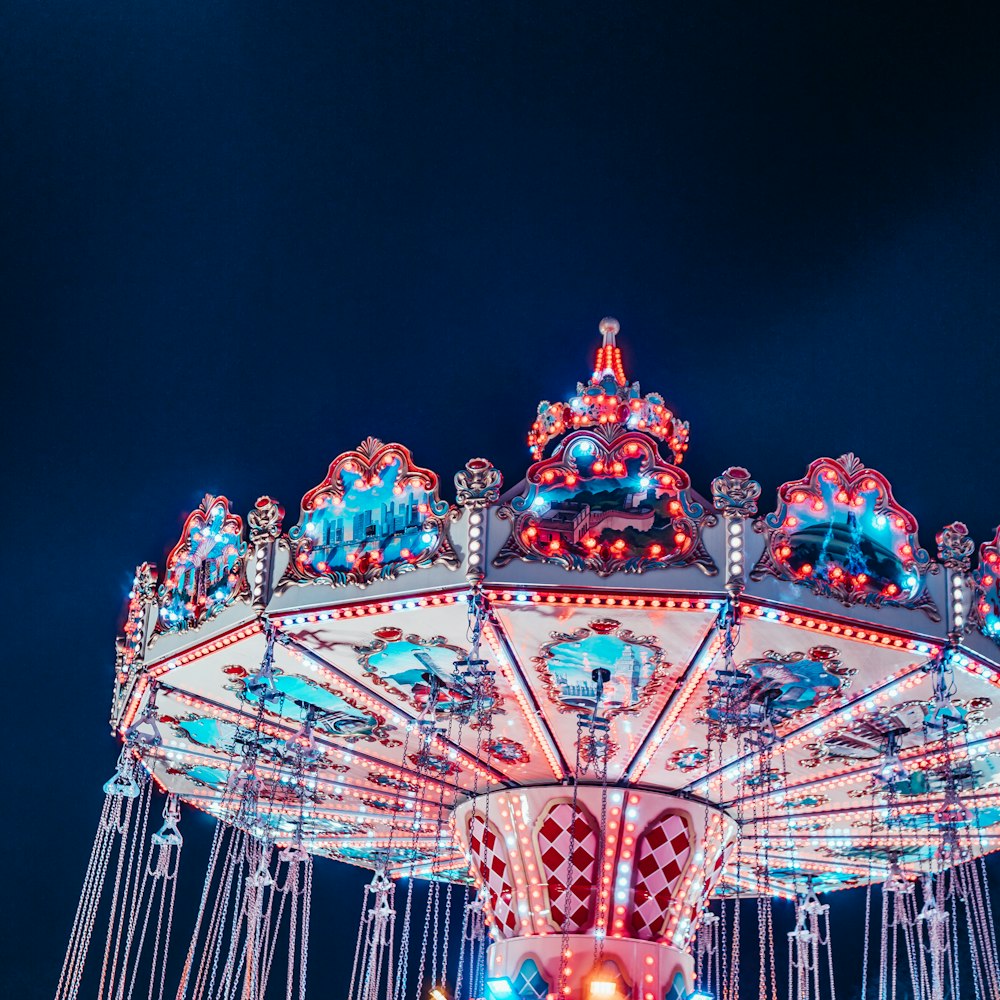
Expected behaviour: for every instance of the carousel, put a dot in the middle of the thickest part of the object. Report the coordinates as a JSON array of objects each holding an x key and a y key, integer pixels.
[{"x": 607, "y": 717}]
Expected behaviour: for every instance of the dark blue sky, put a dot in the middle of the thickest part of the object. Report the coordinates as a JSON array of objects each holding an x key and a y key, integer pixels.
[{"x": 236, "y": 238}]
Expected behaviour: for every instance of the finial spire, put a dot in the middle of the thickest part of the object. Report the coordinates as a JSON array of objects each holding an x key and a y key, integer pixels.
[
  {"x": 609, "y": 355},
  {"x": 609, "y": 328}
]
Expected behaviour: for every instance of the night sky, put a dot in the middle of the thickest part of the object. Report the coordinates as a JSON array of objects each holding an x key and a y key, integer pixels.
[{"x": 237, "y": 238}]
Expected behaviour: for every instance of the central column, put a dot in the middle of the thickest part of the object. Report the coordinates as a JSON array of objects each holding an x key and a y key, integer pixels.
[{"x": 592, "y": 916}]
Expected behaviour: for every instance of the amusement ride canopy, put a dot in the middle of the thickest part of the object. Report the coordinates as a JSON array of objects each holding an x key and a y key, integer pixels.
[{"x": 597, "y": 702}]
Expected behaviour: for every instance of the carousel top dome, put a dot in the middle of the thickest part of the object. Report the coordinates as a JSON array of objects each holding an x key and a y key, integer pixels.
[{"x": 607, "y": 403}]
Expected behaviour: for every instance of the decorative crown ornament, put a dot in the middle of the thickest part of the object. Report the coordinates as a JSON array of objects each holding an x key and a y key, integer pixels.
[{"x": 608, "y": 405}]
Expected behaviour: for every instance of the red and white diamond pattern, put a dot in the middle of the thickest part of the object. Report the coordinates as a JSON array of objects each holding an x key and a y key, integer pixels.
[
  {"x": 489, "y": 854},
  {"x": 660, "y": 860},
  {"x": 560, "y": 830}
]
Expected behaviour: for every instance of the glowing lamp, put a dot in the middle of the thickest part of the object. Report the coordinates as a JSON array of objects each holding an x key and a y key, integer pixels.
[
  {"x": 700, "y": 995},
  {"x": 438, "y": 994},
  {"x": 500, "y": 988},
  {"x": 602, "y": 989}
]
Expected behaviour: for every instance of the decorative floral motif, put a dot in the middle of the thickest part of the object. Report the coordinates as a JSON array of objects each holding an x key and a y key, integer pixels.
[
  {"x": 986, "y": 583},
  {"x": 383, "y": 805},
  {"x": 478, "y": 485},
  {"x": 985, "y": 817},
  {"x": 203, "y": 775},
  {"x": 310, "y": 827},
  {"x": 840, "y": 532},
  {"x": 687, "y": 759},
  {"x": 827, "y": 879},
  {"x": 388, "y": 781},
  {"x": 864, "y": 738},
  {"x": 866, "y": 853},
  {"x": 765, "y": 777},
  {"x": 432, "y": 763},
  {"x": 734, "y": 493},
  {"x": 418, "y": 670},
  {"x": 805, "y": 802},
  {"x": 460, "y": 875},
  {"x": 966, "y": 774},
  {"x": 565, "y": 667},
  {"x": 606, "y": 507},
  {"x": 376, "y": 515},
  {"x": 507, "y": 750},
  {"x": 595, "y": 749},
  {"x": 205, "y": 570}
]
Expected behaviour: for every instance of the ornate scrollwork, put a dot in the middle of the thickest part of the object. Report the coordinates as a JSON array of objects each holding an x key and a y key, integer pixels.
[
  {"x": 734, "y": 493},
  {"x": 374, "y": 516},
  {"x": 955, "y": 547},
  {"x": 265, "y": 520},
  {"x": 478, "y": 484},
  {"x": 607, "y": 507},
  {"x": 506, "y": 750},
  {"x": 840, "y": 532}
]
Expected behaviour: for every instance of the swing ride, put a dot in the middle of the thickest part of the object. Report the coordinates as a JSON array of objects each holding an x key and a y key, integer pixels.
[{"x": 598, "y": 712}]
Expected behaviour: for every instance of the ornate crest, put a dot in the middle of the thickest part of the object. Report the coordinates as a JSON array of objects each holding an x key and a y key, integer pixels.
[
  {"x": 506, "y": 750},
  {"x": 265, "y": 520},
  {"x": 595, "y": 750},
  {"x": 955, "y": 547},
  {"x": 205, "y": 570},
  {"x": 609, "y": 406},
  {"x": 376, "y": 515},
  {"x": 840, "y": 532},
  {"x": 566, "y": 666},
  {"x": 734, "y": 493},
  {"x": 863, "y": 738},
  {"x": 606, "y": 507},
  {"x": 986, "y": 581},
  {"x": 422, "y": 672},
  {"x": 478, "y": 485}
]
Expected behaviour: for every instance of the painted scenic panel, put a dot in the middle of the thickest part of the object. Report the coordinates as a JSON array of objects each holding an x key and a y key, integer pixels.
[
  {"x": 606, "y": 506},
  {"x": 374, "y": 516}
]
